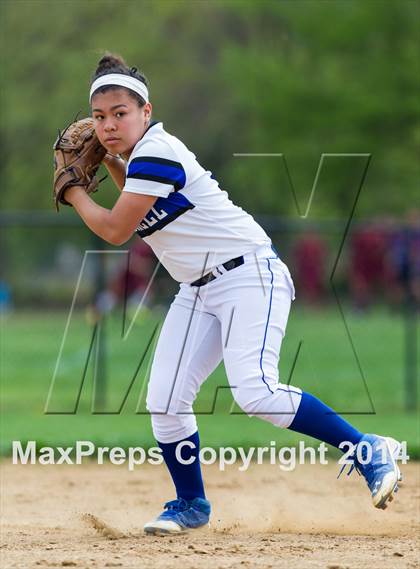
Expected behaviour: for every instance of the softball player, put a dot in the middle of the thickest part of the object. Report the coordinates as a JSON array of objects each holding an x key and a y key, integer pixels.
[{"x": 233, "y": 302}]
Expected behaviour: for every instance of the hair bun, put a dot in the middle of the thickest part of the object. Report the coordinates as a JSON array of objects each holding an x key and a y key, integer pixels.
[
  {"x": 114, "y": 63},
  {"x": 111, "y": 62}
]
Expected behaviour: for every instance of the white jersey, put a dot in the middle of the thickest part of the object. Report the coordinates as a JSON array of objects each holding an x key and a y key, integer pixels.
[{"x": 193, "y": 225}]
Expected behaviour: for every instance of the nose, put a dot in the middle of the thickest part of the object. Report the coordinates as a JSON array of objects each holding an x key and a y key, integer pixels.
[{"x": 109, "y": 126}]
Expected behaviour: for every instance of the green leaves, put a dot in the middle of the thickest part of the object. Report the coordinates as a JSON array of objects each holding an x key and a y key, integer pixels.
[{"x": 300, "y": 78}]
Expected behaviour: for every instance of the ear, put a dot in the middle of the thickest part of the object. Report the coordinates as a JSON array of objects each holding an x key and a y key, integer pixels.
[{"x": 147, "y": 110}]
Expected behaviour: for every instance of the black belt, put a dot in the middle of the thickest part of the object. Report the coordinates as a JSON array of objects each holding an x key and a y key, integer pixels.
[{"x": 229, "y": 265}]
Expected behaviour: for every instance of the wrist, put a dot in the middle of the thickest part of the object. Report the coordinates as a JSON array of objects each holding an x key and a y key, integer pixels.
[
  {"x": 71, "y": 193},
  {"x": 108, "y": 159},
  {"x": 111, "y": 159}
]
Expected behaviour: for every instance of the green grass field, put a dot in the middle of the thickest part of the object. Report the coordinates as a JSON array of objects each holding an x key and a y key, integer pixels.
[{"x": 326, "y": 366}]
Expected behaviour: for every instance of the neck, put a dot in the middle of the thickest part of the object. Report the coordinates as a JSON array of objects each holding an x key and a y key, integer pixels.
[{"x": 126, "y": 155}]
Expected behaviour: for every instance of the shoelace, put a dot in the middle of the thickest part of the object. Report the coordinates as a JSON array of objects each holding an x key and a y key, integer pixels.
[
  {"x": 178, "y": 505},
  {"x": 365, "y": 470},
  {"x": 351, "y": 468}
]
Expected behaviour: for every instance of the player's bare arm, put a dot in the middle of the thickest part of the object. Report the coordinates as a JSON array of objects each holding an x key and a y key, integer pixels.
[
  {"x": 116, "y": 168},
  {"x": 117, "y": 225}
]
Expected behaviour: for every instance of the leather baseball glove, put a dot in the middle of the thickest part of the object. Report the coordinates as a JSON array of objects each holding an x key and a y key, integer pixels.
[{"x": 77, "y": 157}]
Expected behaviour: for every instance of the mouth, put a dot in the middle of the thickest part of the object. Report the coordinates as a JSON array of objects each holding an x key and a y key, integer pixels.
[{"x": 112, "y": 140}]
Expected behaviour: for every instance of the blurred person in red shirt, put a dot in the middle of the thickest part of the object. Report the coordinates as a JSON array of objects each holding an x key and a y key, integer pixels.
[
  {"x": 310, "y": 257},
  {"x": 129, "y": 284},
  {"x": 368, "y": 264}
]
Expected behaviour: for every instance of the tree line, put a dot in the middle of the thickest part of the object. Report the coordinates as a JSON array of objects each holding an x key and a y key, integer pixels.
[{"x": 229, "y": 78}]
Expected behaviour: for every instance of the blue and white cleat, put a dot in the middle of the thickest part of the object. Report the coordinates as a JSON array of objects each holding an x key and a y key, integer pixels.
[
  {"x": 180, "y": 516},
  {"x": 375, "y": 459}
]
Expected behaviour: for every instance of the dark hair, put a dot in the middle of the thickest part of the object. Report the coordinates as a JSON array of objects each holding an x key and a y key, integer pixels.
[{"x": 113, "y": 63}]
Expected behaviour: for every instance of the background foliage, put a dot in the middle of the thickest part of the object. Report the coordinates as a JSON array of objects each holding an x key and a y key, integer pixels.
[{"x": 298, "y": 77}]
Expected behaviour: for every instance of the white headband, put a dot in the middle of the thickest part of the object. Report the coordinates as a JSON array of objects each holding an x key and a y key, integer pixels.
[{"x": 123, "y": 81}]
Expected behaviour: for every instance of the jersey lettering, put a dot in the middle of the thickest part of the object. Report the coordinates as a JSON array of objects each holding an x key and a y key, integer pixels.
[
  {"x": 152, "y": 217},
  {"x": 163, "y": 212}
]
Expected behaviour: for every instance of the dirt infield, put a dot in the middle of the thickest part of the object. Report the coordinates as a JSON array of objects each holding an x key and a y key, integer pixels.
[{"x": 92, "y": 516}]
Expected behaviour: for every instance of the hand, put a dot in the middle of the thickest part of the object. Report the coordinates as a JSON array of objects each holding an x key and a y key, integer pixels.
[
  {"x": 112, "y": 159},
  {"x": 108, "y": 159}
]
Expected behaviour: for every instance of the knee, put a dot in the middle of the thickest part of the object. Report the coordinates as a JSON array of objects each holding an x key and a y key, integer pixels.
[
  {"x": 165, "y": 405},
  {"x": 155, "y": 404},
  {"x": 249, "y": 403},
  {"x": 171, "y": 421},
  {"x": 276, "y": 406},
  {"x": 159, "y": 400}
]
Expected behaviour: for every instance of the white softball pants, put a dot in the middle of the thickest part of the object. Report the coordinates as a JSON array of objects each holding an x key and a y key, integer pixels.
[{"x": 239, "y": 317}]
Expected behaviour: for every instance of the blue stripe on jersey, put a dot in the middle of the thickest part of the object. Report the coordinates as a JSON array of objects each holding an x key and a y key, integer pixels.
[
  {"x": 163, "y": 212},
  {"x": 157, "y": 170}
]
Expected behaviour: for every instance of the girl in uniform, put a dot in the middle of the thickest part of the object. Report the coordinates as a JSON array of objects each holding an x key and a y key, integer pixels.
[{"x": 233, "y": 302}]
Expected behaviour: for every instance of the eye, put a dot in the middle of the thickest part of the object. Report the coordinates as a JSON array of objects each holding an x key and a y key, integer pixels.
[
  {"x": 98, "y": 117},
  {"x": 120, "y": 114}
]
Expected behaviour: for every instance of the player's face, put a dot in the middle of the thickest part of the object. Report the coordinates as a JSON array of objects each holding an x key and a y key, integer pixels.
[{"x": 119, "y": 121}]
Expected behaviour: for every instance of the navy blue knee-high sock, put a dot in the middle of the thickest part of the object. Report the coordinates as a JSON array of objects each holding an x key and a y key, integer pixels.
[
  {"x": 316, "y": 419},
  {"x": 186, "y": 477}
]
